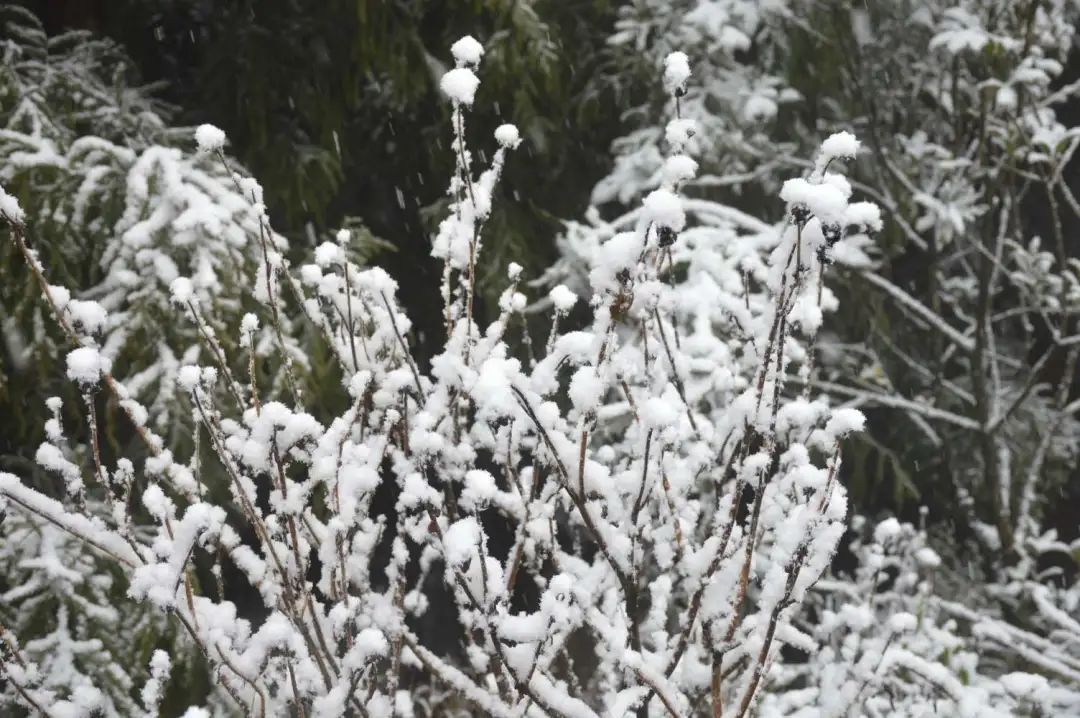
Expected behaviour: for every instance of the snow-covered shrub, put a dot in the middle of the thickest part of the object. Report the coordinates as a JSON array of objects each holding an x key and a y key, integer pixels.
[{"x": 670, "y": 503}]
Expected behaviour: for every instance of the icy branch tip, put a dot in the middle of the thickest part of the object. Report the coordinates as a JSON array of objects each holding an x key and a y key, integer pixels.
[
  {"x": 460, "y": 85},
  {"x": 508, "y": 136},
  {"x": 9, "y": 207},
  {"x": 467, "y": 51},
  {"x": 209, "y": 138},
  {"x": 676, "y": 72}
]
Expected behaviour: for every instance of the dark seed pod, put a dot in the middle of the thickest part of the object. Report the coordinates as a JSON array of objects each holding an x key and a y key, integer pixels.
[
  {"x": 623, "y": 276},
  {"x": 800, "y": 214},
  {"x": 666, "y": 236},
  {"x": 832, "y": 233}
]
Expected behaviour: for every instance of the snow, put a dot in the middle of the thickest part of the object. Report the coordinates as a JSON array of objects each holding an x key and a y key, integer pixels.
[
  {"x": 479, "y": 489},
  {"x": 86, "y": 365},
  {"x": 209, "y": 138},
  {"x": 461, "y": 541},
  {"x": 88, "y": 317},
  {"x": 467, "y": 51},
  {"x": 188, "y": 377},
  {"x": 840, "y": 145},
  {"x": 927, "y": 557},
  {"x": 10, "y": 208},
  {"x": 181, "y": 290},
  {"x": 563, "y": 298},
  {"x": 151, "y": 693},
  {"x": 679, "y": 168},
  {"x": 664, "y": 208},
  {"x": 845, "y": 421},
  {"x": 508, "y": 136},
  {"x": 659, "y": 413},
  {"x": 670, "y": 349},
  {"x": 866, "y": 214},
  {"x": 676, "y": 72},
  {"x": 825, "y": 201},
  {"x": 887, "y": 530},
  {"x": 460, "y": 85},
  {"x": 586, "y": 389},
  {"x": 1026, "y": 685},
  {"x": 679, "y": 132},
  {"x": 329, "y": 254}
]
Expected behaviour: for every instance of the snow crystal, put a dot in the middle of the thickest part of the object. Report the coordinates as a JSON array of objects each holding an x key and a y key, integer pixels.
[
  {"x": 839, "y": 145},
  {"x": 513, "y": 271},
  {"x": 563, "y": 298},
  {"x": 9, "y": 207},
  {"x": 460, "y": 85},
  {"x": 508, "y": 136},
  {"x": 676, "y": 72},
  {"x": 467, "y": 51},
  {"x": 209, "y": 138},
  {"x": 343, "y": 236},
  {"x": 85, "y": 365},
  {"x": 249, "y": 323}
]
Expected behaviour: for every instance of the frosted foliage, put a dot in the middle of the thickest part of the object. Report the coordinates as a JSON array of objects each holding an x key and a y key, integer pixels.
[
  {"x": 636, "y": 516},
  {"x": 620, "y": 482},
  {"x": 141, "y": 207}
]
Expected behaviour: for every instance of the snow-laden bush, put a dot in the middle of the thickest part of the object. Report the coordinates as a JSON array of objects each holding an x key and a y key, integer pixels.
[
  {"x": 629, "y": 517},
  {"x": 670, "y": 505}
]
